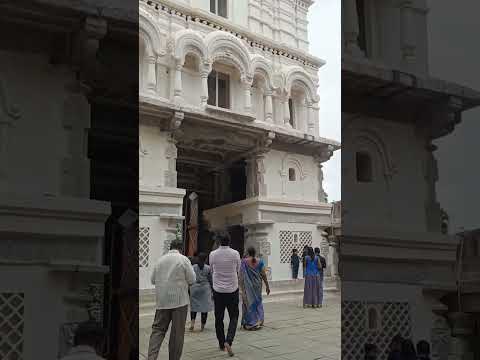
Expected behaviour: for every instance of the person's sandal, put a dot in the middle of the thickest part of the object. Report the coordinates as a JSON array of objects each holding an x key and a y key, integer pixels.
[{"x": 229, "y": 349}]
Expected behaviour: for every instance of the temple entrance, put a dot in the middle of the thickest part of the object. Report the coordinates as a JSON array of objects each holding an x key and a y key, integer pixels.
[
  {"x": 210, "y": 181},
  {"x": 207, "y": 189}
]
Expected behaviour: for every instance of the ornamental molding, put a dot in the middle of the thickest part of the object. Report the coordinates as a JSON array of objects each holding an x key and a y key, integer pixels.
[
  {"x": 241, "y": 33},
  {"x": 189, "y": 41},
  {"x": 150, "y": 33},
  {"x": 288, "y": 161},
  {"x": 298, "y": 75}
]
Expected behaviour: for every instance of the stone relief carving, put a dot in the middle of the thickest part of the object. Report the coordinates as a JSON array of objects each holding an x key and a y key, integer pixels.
[
  {"x": 265, "y": 248},
  {"x": 142, "y": 153}
]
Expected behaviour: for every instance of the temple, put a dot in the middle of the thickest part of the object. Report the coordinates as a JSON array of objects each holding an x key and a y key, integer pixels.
[
  {"x": 398, "y": 263},
  {"x": 229, "y": 130}
]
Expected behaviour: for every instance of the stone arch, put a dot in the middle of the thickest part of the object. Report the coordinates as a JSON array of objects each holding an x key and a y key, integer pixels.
[
  {"x": 369, "y": 140},
  {"x": 224, "y": 46},
  {"x": 149, "y": 33},
  {"x": 296, "y": 75},
  {"x": 262, "y": 67},
  {"x": 289, "y": 162},
  {"x": 189, "y": 41}
]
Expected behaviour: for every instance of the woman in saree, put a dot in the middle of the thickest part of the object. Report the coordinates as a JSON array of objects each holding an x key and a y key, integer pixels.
[{"x": 252, "y": 273}]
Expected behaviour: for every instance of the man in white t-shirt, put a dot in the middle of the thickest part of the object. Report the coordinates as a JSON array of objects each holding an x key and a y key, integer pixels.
[
  {"x": 172, "y": 276},
  {"x": 225, "y": 267}
]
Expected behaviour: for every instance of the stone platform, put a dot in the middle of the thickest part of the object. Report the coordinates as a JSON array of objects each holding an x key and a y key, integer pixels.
[
  {"x": 279, "y": 289},
  {"x": 290, "y": 333}
]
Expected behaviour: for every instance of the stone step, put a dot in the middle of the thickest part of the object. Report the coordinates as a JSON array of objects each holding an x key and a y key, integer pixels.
[
  {"x": 276, "y": 288},
  {"x": 147, "y": 302}
]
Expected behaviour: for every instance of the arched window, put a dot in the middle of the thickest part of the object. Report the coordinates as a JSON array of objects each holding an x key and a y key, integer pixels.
[
  {"x": 363, "y": 163},
  {"x": 292, "y": 176}
]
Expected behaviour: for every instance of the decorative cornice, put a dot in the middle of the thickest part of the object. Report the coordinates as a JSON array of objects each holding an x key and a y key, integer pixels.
[{"x": 256, "y": 41}]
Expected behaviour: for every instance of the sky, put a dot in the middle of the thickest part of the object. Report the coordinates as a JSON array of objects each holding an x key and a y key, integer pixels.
[
  {"x": 454, "y": 55},
  {"x": 325, "y": 42}
]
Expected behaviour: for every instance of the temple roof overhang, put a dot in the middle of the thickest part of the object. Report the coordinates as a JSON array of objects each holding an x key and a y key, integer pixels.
[
  {"x": 372, "y": 90},
  {"x": 225, "y": 135}
]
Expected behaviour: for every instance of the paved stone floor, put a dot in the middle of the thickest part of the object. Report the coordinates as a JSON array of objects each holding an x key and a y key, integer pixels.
[{"x": 290, "y": 333}]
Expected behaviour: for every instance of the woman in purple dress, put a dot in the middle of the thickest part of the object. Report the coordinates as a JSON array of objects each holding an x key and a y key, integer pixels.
[{"x": 252, "y": 273}]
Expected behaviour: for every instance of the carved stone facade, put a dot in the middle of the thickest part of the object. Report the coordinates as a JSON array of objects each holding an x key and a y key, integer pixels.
[{"x": 247, "y": 140}]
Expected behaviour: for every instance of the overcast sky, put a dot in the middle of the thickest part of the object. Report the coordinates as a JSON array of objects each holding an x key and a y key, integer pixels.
[{"x": 325, "y": 43}]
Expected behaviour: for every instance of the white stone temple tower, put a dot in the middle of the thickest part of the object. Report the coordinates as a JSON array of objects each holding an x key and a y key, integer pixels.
[
  {"x": 229, "y": 111},
  {"x": 397, "y": 266}
]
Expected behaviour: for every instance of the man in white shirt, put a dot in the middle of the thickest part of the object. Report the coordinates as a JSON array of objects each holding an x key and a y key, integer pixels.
[
  {"x": 225, "y": 266},
  {"x": 88, "y": 339},
  {"x": 172, "y": 276}
]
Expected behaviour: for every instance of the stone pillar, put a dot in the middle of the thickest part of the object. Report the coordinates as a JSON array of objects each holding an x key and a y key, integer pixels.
[
  {"x": 177, "y": 91},
  {"x": 247, "y": 88},
  {"x": 204, "y": 72},
  {"x": 151, "y": 73},
  {"x": 315, "y": 123},
  {"x": 407, "y": 30},
  {"x": 351, "y": 29},
  {"x": 218, "y": 188},
  {"x": 11, "y": 113},
  {"x": 75, "y": 166},
  {"x": 286, "y": 112},
  {"x": 171, "y": 156},
  {"x": 269, "y": 106},
  {"x": 251, "y": 177},
  {"x": 310, "y": 119}
]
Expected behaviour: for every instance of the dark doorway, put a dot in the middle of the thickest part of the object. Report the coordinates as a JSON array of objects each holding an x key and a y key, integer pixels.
[
  {"x": 238, "y": 181},
  {"x": 237, "y": 234},
  {"x": 113, "y": 153}
]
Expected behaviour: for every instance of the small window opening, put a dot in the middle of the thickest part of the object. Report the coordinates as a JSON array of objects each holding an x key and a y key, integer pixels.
[
  {"x": 219, "y": 89},
  {"x": 364, "y": 167},
  {"x": 219, "y": 7},
  {"x": 291, "y": 175}
]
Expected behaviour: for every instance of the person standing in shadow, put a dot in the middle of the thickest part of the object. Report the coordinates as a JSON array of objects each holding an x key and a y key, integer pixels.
[
  {"x": 396, "y": 348},
  {"x": 295, "y": 264},
  {"x": 423, "y": 350}
]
